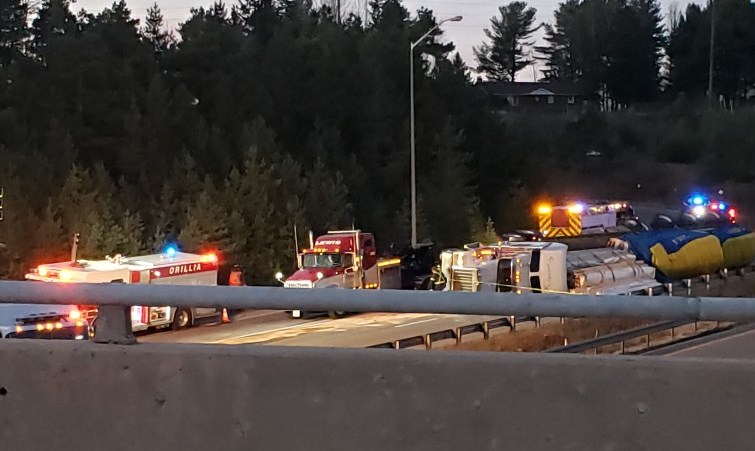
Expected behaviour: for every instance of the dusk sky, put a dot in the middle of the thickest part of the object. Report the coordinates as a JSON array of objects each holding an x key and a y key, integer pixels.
[{"x": 465, "y": 34}]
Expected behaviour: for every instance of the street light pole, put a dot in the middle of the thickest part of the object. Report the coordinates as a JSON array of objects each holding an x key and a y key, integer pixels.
[
  {"x": 411, "y": 123},
  {"x": 712, "y": 5}
]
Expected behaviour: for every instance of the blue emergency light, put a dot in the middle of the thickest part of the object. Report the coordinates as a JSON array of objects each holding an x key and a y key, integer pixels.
[{"x": 170, "y": 251}]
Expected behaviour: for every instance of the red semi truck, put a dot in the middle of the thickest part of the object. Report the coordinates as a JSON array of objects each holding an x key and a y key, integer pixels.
[{"x": 343, "y": 259}]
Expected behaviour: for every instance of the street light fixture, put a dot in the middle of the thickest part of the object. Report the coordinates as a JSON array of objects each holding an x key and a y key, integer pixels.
[{"x": 411, "y": 91}]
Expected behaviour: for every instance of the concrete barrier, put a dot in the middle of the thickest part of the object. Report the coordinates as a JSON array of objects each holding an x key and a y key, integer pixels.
[{"x": 83, "y": 396}]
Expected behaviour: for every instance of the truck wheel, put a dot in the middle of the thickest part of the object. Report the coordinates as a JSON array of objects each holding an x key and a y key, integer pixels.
[
  {"x": 93, "y": 328},
  {"x": 336, "y": 314},
  {"x": 425, "y": 284},
  {"x": 181, "y": 320}
]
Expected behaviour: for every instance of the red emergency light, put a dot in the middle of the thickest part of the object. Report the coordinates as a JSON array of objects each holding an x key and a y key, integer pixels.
[{"x": 210, "y": 257}]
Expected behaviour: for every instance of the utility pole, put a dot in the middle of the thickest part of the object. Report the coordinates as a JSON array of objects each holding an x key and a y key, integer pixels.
[
  {"x": 710, "y": 56},
  {"x": 338, "y": 13},
  {"x": 412, "y": 166}
]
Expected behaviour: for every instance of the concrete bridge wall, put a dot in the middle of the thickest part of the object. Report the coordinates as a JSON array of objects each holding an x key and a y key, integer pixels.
[{"x": 83, "y": 396}]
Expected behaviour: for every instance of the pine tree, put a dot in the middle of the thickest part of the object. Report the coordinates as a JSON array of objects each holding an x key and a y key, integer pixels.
[
  {"x": 560, "y": 60},
  {"x": 205, "y": 226},
  {"x": 504, "y": 55},
  {"x": 14, "y": 31},
  {"x": 326, "y": 198},
  {"x": 154, "y": 31}
]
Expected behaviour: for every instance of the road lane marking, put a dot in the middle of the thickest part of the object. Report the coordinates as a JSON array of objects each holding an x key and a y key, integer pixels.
[
  {"x": 417, "y": 322},
  {"x": 712, "y": 342},
  {"x": 270, "y": 331}
]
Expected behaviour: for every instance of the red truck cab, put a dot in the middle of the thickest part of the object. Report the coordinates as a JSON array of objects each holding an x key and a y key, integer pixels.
[{"x": 344, "y": 259}]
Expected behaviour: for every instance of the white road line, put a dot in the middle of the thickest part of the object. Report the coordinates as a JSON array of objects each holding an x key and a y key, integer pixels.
[
  {"x": 712, "y": 342},
  {"x": 417, "y": 322},
  {"x": 271, "y": 331},
  {"x": 242, "y": 317}
]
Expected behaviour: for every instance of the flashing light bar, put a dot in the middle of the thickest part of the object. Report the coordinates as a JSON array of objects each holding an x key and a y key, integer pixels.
[
  {"x": 576, "y": 208},
  {"x": 544, "y": 209},
  {"x": 210, "y": 258}
]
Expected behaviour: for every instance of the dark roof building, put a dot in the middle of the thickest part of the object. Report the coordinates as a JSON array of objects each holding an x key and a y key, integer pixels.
[{"x": 549, "y": 97}]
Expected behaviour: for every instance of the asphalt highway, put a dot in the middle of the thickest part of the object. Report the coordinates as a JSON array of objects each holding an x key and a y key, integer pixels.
[
  {"x": 368, "y": 329},
  {"x": 275, "y": 327}
]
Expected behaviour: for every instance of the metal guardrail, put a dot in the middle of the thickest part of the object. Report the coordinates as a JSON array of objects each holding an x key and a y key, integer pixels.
[
  {"x": 623, "y": 337},
  {"x": 678, "y": 288},
  {"x": 618, "y": 337},
  {"x": 392, "y": 301},
  {"x": 457, "y": 333},
  {"x": 114, "y": 300}
]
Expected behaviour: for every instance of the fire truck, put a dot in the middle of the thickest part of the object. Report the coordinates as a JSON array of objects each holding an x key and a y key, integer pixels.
[
  {"x": 343, "y": 259},
  {"x": 579, "y": 218},
  {"x": 169, "y": 268},
  {"x": 546, "y": 267}
]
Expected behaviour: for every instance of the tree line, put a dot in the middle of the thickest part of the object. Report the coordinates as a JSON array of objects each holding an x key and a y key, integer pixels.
[
  {"x": 622, "y": 50},
  {"x": 264, "y": 117},
  {"x": 250, "y": 121}
]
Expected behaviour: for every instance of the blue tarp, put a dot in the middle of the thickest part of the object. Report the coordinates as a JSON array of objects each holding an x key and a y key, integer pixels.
[
  {"x": 730, "y": 231},
  {"x": 677, "y": 254},
  {"x": 671, "y": 240}
]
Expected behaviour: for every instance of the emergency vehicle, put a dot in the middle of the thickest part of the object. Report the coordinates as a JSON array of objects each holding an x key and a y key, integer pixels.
[
  {"x": 580, "y": 218},
  {"x": 548, "y": 267},
  {"x": 343, "y": 259},
  {"x": 701, "y": 206},
  {"x": 42, "y": 321},
  {"x": 169, "y": 268}
]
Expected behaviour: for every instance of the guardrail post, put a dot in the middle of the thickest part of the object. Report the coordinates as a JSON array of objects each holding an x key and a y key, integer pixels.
[
  {"x": 623, "y": 346},
  {"x": 597, "y": 334},
  {"x": 428, "y": 341},
  {"x": 670, "y": 288},
  {"x": 537, "y": 322},
  {"x": 706, "y": 279},
  {"x": 724, "y": 273},
  {"x": 457, "y": 332},
  {"x": 562, "y": 320},
  {"x": 113, "y": 325},
  {"x": 647, "y": 344},
  {"x": 486, "y": 330},
  {"x": 397, "y": 344},
  {"x": 673, "y": 333},
  {"x": 512, "y": 322}
]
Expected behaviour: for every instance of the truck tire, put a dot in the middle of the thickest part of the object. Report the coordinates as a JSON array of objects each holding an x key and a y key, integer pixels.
[
  {"x": 336, "y": 314},
  {"x": 93, "y": 329},
  {"x": 425, "y": 284},
  {"x": 182, "y": 319}
]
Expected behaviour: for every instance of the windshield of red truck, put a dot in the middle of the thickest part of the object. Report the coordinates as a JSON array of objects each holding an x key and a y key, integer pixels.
[{"x": 322, "y": 261}]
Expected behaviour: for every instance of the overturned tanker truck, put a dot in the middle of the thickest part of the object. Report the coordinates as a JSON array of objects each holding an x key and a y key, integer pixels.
[{"x": 634, "y": 263}]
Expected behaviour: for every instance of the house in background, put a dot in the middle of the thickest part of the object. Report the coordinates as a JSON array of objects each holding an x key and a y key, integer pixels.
[{"x": 539, "y": 97}]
